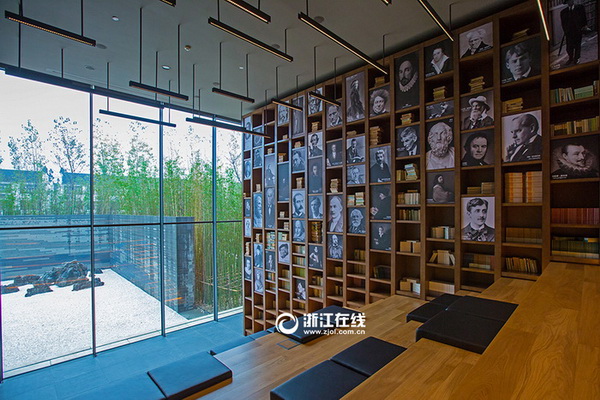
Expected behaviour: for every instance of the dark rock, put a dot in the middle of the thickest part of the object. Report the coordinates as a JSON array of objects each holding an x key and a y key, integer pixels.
[
  {"x": 71, "y": 273},
  {"x": 25, "y": 280},
  {"x": 86, "y": 284},
  {"x": 98, "y": 282},
  {"x": 50, "y": 277},
  {"x": 9, "y": 289},
  {"x": 98, "y": 271},
  {"x": 38, "y": 289}
]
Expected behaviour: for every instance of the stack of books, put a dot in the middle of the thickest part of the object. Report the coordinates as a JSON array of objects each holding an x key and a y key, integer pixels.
[
  {"x": 410, "y": 246},
  {"x": 533, "y": 184},
  {"x": 351, "y": 133},
  {"x": 281, "y": 157},
  {"x": 334, "y": 185},
  {"x": 409, "y": 215},
  {"x": 317, "y": 280},
  {"x": 409, "y": 173},
  {"x": 513, "y": 187},
  {"x": 315, "y": 126},
  {"x": 298, "y": 144},
  {"x": 286, "y": 225},
  {"x": 479, "y": 261},
  {"x": 281, "y": 214},
  {"x": 525, "y": 265},
  {"x": 300, "y": 182},
  {"x": 258, "y": 187},
  {"x": 476, "y": 83},
  {"x": 577, "y": 126},
  {"x": 316, "y": 231},
  {"x": 442, "y": 232},
  {"x": 283, "y": 236},
  {"x": 379, "y": 80},
  {"x": 258, "y": 237},
  {"x": 351, "y": 200},
  {"x": 411, "y": 197},
  {"x": 484, "y": 188},
  {"x": 439, "y": 93},
  {"x": 270, "y": 150},
  {"x": 444, "y": 257},
  {"x": 375, "y": 134},
  {"x": 580, "y": 247},
  {"x": 512, "y": 105},
  {"x": 270, "y": 241},
  {"x": 406, "y": 119},
  {"x": 582, "y": 216},
  {"x": 359, "y": 198},
  {"x": 520, "y": 34},
  {"x": 524, "y": 235},
  {"x": 359, "y": 255},
  {"x": 410, "y": 285},
  {"x": 297, "y": 260}
]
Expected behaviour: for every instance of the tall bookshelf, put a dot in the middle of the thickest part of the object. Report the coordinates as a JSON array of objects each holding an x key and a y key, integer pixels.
[{"x": 362, "y": 274}]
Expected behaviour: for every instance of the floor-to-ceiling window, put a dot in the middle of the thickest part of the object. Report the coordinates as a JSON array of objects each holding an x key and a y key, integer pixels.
[{"x": 150, "y": 202}]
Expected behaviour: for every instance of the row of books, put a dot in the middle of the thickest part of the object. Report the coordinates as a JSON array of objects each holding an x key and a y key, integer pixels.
[
  {"x": 356, "y": 199},
  {"x": 442, "y": 232},
  {"x": 444, "y": 257},
  {"x": 519, "y": 264},
  {"x": 409, "y": 215},
  {"x": 271, "y": 239},
  {"x": 583, "y": 216},
  {"x": 317, "y": 280},
  {"x": 359, "y": 255},
  {"x": 299, "y": 249},
  {"x": 484, "y": 188},
  {"x": 576, "y": 126},
  {"x": 334, "y": 185},
  {"x": 357, "y": 269},
  {"x": 524, "y": 235},
  {"x": 406, "y": 118},
  {"x": 411, "y": 197},
  {"x": 523, "y": 187},
  {"x": 512, "y": 105},
  {"x": 410, "y": 246},
  {"x": 375, "y": 135},
  {"x": 561, "y": 95},
  {"x": 581, "y": 247},
  {"x": 382, "y": 272},
  {"x": 478, "y": 261},
  {"x": 409, "y": 173}
]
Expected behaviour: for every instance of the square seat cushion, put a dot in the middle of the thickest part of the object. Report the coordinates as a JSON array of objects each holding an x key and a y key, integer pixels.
[
  {"x": 231, "y": 344},
  {"x": 190, "y": 375},
  {"x": 465, "y": 331},
  {"x": 446, "y": 299},
  {"x": 425, "y": 312},
  {"x": 325, "y": 381},
  {"x": 303, "y": 333},
  {"x": 368, "y": 356},
  {"x": 136, "y": 387},
  {"x": 493, "y": 309}
]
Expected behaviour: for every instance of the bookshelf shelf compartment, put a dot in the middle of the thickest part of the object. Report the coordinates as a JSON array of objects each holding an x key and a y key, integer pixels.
[
  {"x": 408, "y": 294},
  {"x": 442, "y": 266},
  {"x": 576, "y": 260},
  {"x": 523, "y": 245},
  {"x": 519, "y": 275},
  {"x": 580, "y": 180},
  {"x": 578, "y": 226},
  {"x": 477, "y": 270},
  {"x": 404, "y": 253}
]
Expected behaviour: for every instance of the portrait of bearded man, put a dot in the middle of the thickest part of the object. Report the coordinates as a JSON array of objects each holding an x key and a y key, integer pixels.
[
  {"x": 575, "y": 159},
  {"x": 441, "y": 150}
]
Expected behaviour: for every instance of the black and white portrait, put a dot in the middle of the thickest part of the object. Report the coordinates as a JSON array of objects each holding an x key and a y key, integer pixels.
[
  {"x": 477, "y": 148},
  {"x": 315, "y": 256},
  {"x": 355, "y": 101},
  {"x": 381, "y": 236},
  {"x": 258, "y": 210},
  {"x": 439, "y": 110},
  {"x": 257, "y": 141},
  {"x": 270, "y": 261},
  {"x": 476, "y": 40},
  {"x": 407, "y": 141},
  {"x": 298, "y": 117},
  {"x": 522, "y": 135},
  {"x": 478, "y": 219},
  {"x": 407, "y": 76},
  {"x": 298, "y": 204},
  {"x": 247, "y": 227},
  {"x": 270, "y": 210},
  {"x": 335, "y": 246},
  {"x": 299, "y": 230},
  {"x": 438, "y": 58},
  {"x": 381, "y": 202},
  {"x": 335, "y": 216},
  {"x": 258, "y": 159},
  {"x": 477, "y": 111},
  {"x": 334, "y": 116},
  {"x": 283, "y": 252},
  {"x": 315, "y": 175},
  {"x": 380, "y": 165},
  {"x": 298, "y": 159},
  {"x": 440, "y": 144},
  {"x": 247, "y": 169},
  {"x": 575, "y": 158},
  {"x": 574, "y": 32},
  {"x": 247, "y": 208},
  {"x": 379, "y": 101},
  {"x": 334, "y": 153},
  {"x": 314, "y": 104},
  {"x": 283, "y": 115},
  {"x": 356, "y": 174},
  {"x": 247, "y": 141},
  {"x": 300, "y": 289},
  {"x": 248, "y": 268},
  {"x": 315, "y": 144},
  {"x": 270, "y": 166},
  {"x": 357, "y": 220},
  {"x": 521, "y": 60},
  {"x": 440, "y": 187},
  {"x": 315, "y": 207},
  {"x": 259, "y": 284},
  {"x": 355, "y": 150},
  {"x": 283, "y": 182},
  {"x": 258, "y": 255}
]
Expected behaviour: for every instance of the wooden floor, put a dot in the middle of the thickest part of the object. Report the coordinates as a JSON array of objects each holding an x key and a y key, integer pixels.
[{"x": 550, "y": 349}]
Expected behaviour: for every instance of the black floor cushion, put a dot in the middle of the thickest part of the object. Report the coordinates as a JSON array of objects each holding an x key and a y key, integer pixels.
[
  {"x": 493, "y": 309},
  {"x": 446, "y": 299},
  {"x": 231, "y": 344},
  {"x": 183, "y": 378},
  {"x": 325, "y": 381},
  {"x": 465, "y": 331},
  {"x": 425, "y": 312},
  {"x": 137, "y": 387},
  {"x": 368, "y": 356}
]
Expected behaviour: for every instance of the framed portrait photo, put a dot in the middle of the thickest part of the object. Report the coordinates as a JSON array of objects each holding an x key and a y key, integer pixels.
[
  {"x": 270, "y": 261},
  {"x": 335, "y": 246},
  {"x": 258, "y": 255},
  {"x": 259, "y": 284},
  {"x": 356, "y": 174},
  {"x": 258, "y": 210},
  {"x": 247, "y": 227},
  {"x": 334, "y": 116},
  {"x": 357, "y": 220},
  {"x": 315, "y": 144},
  {"x": 299, "y": 159},
  {"x": 298, "y": 230},
  {"x": 315, "y": 207},
  {"x": 283, "y": 252},
  {"x": 476, "y": 40},
  {"x": 283, "y": 182},
  {"x": 521, "y": 60},
  {"x": 355, "y": 97},
  {"x": 247, "y": 169},
  {"x": 315, "y": 175},
  {"x": 298, "y": 117},
  {"x": 355, "y": 149},
  {"x": 406, "y": 69},
  {"x": 522, "y": 137},
  {"x": 298, "y": 203},
  {"x": 300, "y": 289},
  {"x": 270, "y": 209},
  {"x": 315, "y": 256},
  {"x": 380, "y": 164},
  {"x": 477, "y": 111},
  {"x": 270, "y": 170},
  {"x": 258, "y": 158},
  {"x": 248, "y": 268},
  {"x": 283, "y": 115},
  {"x": 379, "y": 101},
  {"x": 335, "y": 215},
  {"x": 575, "y": 158},
  {"x": 381, "y": 236},
  {"x": 477, "y": 148},
  {"x": 440, "y": 144},
  {"x": 247, "y": 140},
  {"x": 439, "y": 110},
  {"x": 247, "y": 208},
  {"x": 315, "y": 105},
  {"x": 408, "y": 141},
  {"x": 440, "y": 187},
  {"x": 334, "y": 153},
  {"x": 381, "y": 202},
  {"x": 478, "y": 218},
  {"x": 438, "y": 58}
]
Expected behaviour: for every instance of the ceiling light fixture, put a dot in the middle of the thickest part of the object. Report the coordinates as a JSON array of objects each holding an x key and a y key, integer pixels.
[
  {"x": 227, "y": 93},
  {"x": 249, "y": 39},
  {"x": 115, "y": 18},
  {"x": 21, "y": 19},
  {"x": 166, "y": 67},
  {"x": 387, "y": 2},
  {"x": 136, "y": 118},
  {"x": 326, "y": 32},
  {"x": 225, "y": 125},
  {"x": 281, "y": 102},
  {"x": 170, "y": 2},
  {"x": 250, "y": 9},
  {"x": 314, "y": 93},
  {"x": 543, "y": 17},
  {"x": 434, "y": 15}
]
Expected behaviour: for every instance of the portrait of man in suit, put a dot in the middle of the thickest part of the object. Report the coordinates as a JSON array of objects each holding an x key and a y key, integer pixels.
[
  {"x": 521, "y": 61},
  {"x": 258, "y": 210},
  {"x": 381, "y": 237},
  {"x": 335, "y": 246},
  {"x": 356, "y": 217},
  {"x": 522, "y": 137},
  {"x": 315, "y": 210},
  {"x": 298, "y": 204},
  {"x": 407, "y": 89},
  {"x": 574, "y": 23},
  {"x": 355, "y": 153},
  {"x": 315, "y": 179},
  {"x": 334, "y": 116},
  {"x": 334, "y": 153},
  {"x": 315, "y": 148},
  {"x": 476, "y": 111},
  {"x": 335, "y": 221},
  {"x": 438, "y": 58},
  {"x": 475, "y": 215},
  {"x": 407, "y": 142},
  {"x": 476, "y": 40},
  {"x": 270, "y": 208}
]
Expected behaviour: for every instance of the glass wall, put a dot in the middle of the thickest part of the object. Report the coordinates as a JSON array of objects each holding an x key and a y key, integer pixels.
[{"x": 161, "y": 201}]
